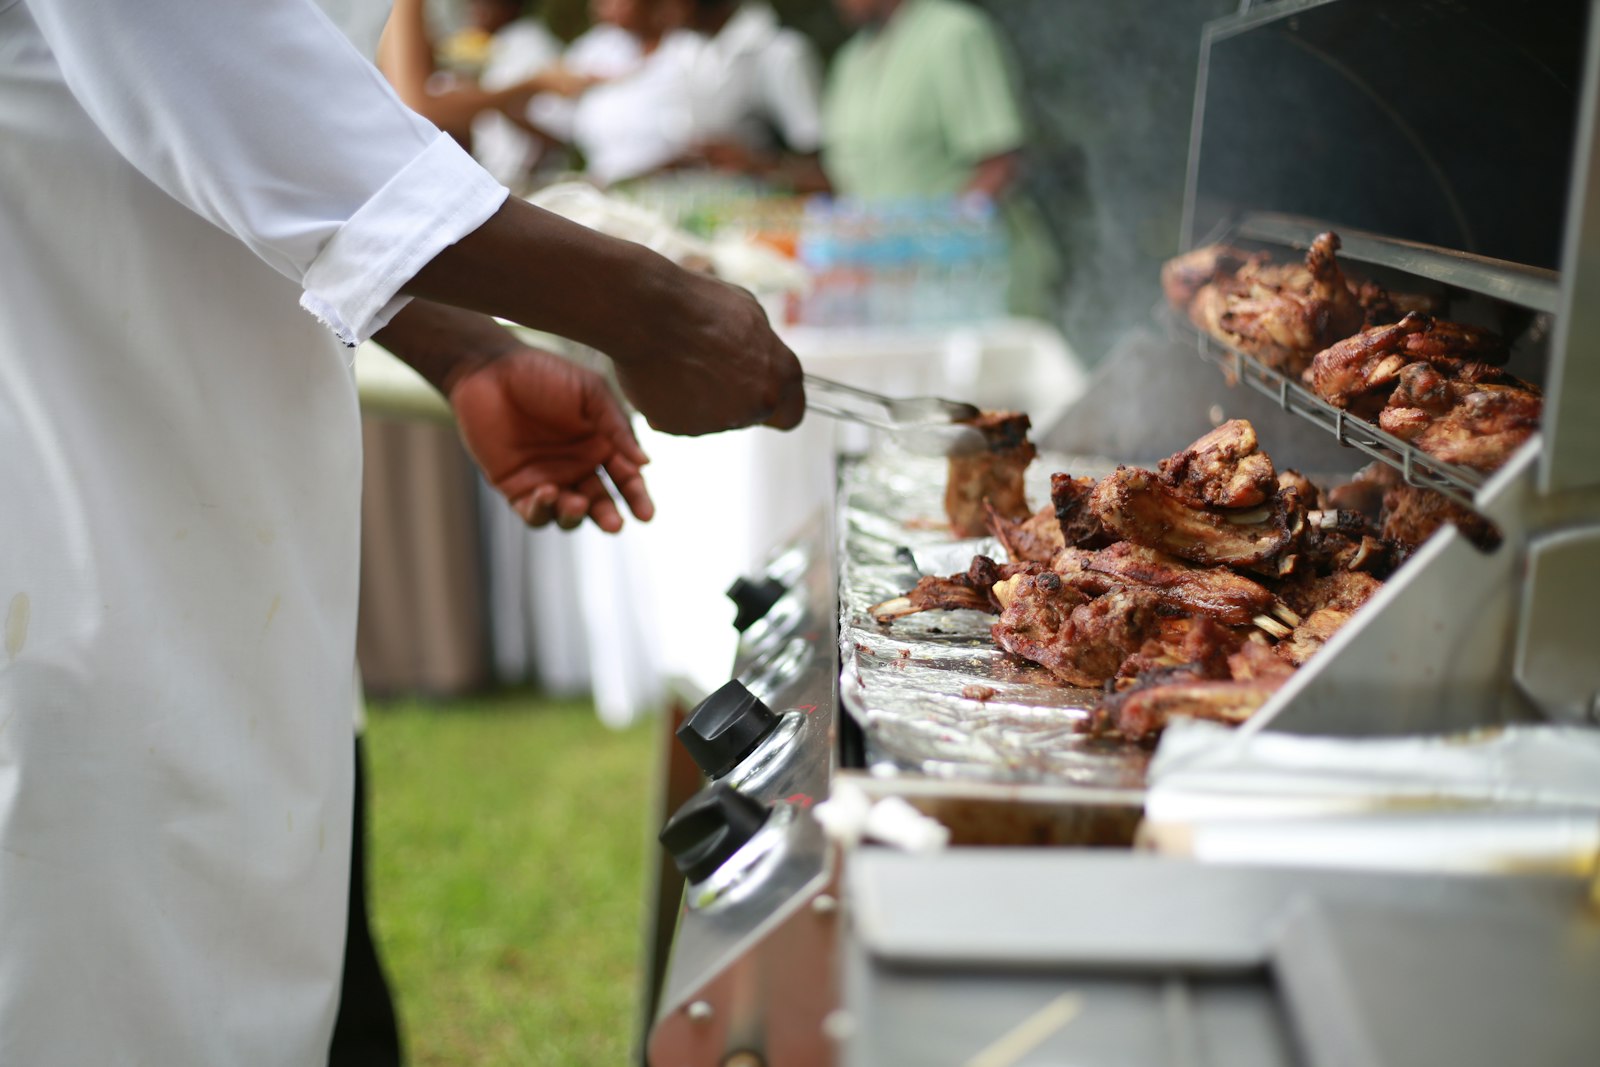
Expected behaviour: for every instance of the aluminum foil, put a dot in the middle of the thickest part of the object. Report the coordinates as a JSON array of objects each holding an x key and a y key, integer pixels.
[{"x": 933, "y": 693}]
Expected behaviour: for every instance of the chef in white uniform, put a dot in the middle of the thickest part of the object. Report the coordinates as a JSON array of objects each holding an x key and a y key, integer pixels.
[{"x": 181, "y": 472}]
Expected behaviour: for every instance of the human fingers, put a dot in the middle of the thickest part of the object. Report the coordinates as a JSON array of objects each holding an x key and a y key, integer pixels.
[
  {"x": 571, "y": 509},
  {"x": 629, "y": 483},
  {"x": 538, "y": 507},
  {"x": 603, "y": 512},
  {"x": 791, "y": 405}
]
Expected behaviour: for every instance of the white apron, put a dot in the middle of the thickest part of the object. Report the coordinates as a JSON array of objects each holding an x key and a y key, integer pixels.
[{"x": 179, "y": 481}]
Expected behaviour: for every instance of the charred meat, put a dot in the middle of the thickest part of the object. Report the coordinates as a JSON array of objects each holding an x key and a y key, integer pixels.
[
  {"x": 1081, "y": 641},
  {"x": 994, "y": 474},
  {"x": 1282, "y": 314},
  {"x": 1037, "y": 538},
  {"x": 1072, "y": 499},
  {"x": 1224, "y": 469},
  {"x": 1138, "y": 506},
  {"x": 1465, "y": 423}
]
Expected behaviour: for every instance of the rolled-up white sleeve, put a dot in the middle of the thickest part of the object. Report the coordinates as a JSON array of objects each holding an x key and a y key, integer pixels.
[{"x": 260, "y": 116}]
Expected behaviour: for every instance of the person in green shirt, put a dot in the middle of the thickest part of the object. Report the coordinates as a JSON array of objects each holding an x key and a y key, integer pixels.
[{"x": 921, "y": 103}]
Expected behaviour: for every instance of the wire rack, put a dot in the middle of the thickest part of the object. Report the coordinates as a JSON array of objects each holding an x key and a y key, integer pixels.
[{"x": 1418, "y": 468}]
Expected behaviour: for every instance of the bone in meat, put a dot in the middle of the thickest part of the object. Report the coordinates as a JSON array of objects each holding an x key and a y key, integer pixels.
[
  {"x": 972, "y": 590},
  {"x": 1223, "y": 469},
  {"x": 1080, "y": 526},
  {"x": 1135, "y": 504},
  {"x": 1036, "y": 538}
]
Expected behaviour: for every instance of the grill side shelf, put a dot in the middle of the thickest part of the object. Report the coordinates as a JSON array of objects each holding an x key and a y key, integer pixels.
[{"x": 1458, "y": 484}]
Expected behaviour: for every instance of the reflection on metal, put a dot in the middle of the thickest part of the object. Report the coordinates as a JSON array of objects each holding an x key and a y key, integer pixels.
[
  {"x": 1572, "y": 457},
  {"x": 753, "y": 949},
  {"x": 769, "y": 677},
  {"x": 742, "y": 876},
  {"x": 1558, "y": 660},
  {"x": 1416, "y": 466},
  {"x": 1515, "y": 283},
  {"x": 761, "y": 766},
  {"x": 778, "y": 623}
]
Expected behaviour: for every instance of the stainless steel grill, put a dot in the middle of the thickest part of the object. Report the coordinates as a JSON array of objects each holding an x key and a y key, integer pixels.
[{"x": 1452, "y": 144}]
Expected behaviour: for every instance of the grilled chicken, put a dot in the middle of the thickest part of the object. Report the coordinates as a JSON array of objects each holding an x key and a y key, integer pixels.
[
  {"x": 972, "y": 590},
  {"x": 1360, "y": 372},
  {"x": 1465, "y": 423},
  {"x": 994, "y": 474},
  {"x": 1072, "y": 500},
  {"x": 1138, "y": 506},
  {"x": 1212, "y": 592},
  {"x": 1412, "y": 515},
  {"x": 1312, "y": 633},
  {"x": 1081, "y": 641},
  {"x": 1037, "y": 538},
  {"x": 1282, "y": 315},
  {"x": 1183, "y": 276},
  {"x": 1224, "y": 469},
  {"x": 1141, "y": 713}
]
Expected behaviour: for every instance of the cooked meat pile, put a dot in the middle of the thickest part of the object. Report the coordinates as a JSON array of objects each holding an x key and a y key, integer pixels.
[
  {"x": 1196, "y": 588},
  {"x": 1282, "y": 314},
  {"x": 1435, "y": 384},
  {"x": 1380, "y": 356},
  {"x": 992, "y": 476}
]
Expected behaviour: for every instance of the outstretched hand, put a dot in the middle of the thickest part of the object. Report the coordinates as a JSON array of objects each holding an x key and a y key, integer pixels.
[{"x": 543, "y": 430}]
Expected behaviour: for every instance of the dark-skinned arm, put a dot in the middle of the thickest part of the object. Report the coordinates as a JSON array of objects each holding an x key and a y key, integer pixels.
[
  {"x": 694, "y": 354},
  {"x": 541, "y": 428}
]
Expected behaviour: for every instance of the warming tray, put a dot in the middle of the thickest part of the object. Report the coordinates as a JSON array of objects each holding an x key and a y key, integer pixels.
[{"x": 934, "y": 696}]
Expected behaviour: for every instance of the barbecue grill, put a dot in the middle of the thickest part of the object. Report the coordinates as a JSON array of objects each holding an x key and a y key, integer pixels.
[{"x": 1451, "y": 144}]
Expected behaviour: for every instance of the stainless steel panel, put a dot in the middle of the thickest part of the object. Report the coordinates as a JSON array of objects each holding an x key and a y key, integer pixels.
[
  {"x": 1558, "y": 651},
  {"x": 1571, "y": 429}
]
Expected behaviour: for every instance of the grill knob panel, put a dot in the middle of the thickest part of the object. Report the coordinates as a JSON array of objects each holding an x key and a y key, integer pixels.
[
  {"x": 714, "y": 824},
  {"x": 753, "y": 599},
  {"x": 726, "y": 727}
]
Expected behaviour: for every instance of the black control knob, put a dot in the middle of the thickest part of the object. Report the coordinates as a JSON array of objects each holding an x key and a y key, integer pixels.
[
  {"x": 726, "y": 727},
  {"x": 753, "y": 599},
  {"x": 714, "y": 824}
]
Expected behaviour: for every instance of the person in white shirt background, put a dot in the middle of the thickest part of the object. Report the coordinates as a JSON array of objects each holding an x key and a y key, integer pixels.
[
  {"x": 177, "y": 568},
  {"x": 724, "y": 86},
  {"x": 755, "y": 92},
  {"x": 520, "y": 46}
]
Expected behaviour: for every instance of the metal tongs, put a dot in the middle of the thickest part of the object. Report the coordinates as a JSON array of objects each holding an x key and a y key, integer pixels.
[{"x": 925, "y": 425}]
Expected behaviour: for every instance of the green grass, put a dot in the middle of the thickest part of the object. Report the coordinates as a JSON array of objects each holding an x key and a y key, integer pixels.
[{"x": 508, "y": 844}]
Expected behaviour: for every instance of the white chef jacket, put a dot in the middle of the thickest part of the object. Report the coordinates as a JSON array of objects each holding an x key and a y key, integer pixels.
[
  {"x": 180, "y": 482},
  {"x": 753, "y": 78},
  {"x": 517, "y": 51}
]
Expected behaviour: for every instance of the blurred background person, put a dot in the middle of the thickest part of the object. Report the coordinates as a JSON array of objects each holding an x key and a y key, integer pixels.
[
  {"x": 519, "y": 47},
  {"x": 407, "y": 57},
  {"x": 755, "y": 93},
  {"x": 613, "y": 46},
  {"x": 639, "y": 122},
  {"x": 922, "y": 103}
]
